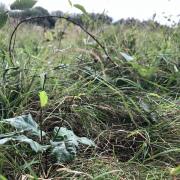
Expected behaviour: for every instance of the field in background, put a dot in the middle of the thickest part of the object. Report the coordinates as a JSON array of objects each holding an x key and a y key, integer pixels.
[{"x": 129, "y": 104}]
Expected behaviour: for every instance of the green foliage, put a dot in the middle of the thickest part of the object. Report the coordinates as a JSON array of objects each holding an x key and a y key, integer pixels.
[
  {"x": 63, "y": 147},
  {"x": 130, "y": 106},
  {"x": 66, "y": 144},
  {"x": 146, "y": 72},
  {"x": 68, "y": 135},
  {"x": 23, "y": 139},
  {"x": 23, "y": 4},
  {"x": 24, "y": 123},
  {"x": 43, "y": 98},
  {"x": 81, "y": 8},
  {"x": 78, "y": 6}
]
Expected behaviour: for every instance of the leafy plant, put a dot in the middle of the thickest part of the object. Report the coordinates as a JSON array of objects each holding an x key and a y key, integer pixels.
[
  {"x": 80, "y": 7},
  {"x": 63, "y": 146},
  {"x": 132, "y": 106},
  {"x": 66, "y": 143},
  {"x": 24, "y": 123}
]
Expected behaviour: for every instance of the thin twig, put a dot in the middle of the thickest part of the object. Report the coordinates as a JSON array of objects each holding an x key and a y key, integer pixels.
[{"x": 69, "y": 19}]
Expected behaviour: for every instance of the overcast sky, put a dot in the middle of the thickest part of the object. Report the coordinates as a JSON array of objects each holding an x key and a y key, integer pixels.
[{"x": 141, "y": 9}]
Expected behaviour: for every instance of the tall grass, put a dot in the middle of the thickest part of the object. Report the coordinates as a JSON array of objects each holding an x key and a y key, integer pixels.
[{"x": 131, "y": 109}]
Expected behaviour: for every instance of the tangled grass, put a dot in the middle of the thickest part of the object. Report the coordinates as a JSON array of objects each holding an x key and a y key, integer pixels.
[{"x": 129, "y": 107}]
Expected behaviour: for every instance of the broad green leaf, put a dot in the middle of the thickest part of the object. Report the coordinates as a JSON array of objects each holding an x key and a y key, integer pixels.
[
  {"x": 3, "y": 18},
  {"x": 64, "y": 133},
  {"x": 66, "y": 144},
  {"x": 23, "y": 4},
  {"x": 43, "y": 98},
  {"x": 85, "y": 141},
  {"x": 175, "y": 171},
  {"x": 62, "y": 152},
  {"x": 24, "y": 123},
  {"x": 34, "y": 145},
  {"x": 5, "y": 140},
  {"x": 8, "y": 135},
  {"x": 81, "y": 8},
  {"x": 126, "y": 57},
  {"x": 23, "y": 139}
]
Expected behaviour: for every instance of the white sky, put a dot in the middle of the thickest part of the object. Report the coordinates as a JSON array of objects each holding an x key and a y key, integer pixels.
[{"x": 141, "y": 9}]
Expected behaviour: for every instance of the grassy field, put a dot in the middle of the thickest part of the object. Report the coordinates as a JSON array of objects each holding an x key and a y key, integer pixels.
[{"x": 129, "y": 105}]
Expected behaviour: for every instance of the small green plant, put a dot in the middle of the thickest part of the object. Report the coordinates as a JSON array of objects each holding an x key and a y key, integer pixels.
[{"x": 63, "y": 146}]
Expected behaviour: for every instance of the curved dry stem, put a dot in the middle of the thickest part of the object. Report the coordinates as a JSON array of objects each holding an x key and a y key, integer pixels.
[{"x": 11, "y": 49}]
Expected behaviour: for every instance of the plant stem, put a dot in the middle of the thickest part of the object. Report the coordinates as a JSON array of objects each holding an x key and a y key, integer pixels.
[{"x": 40, "y": 123}]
